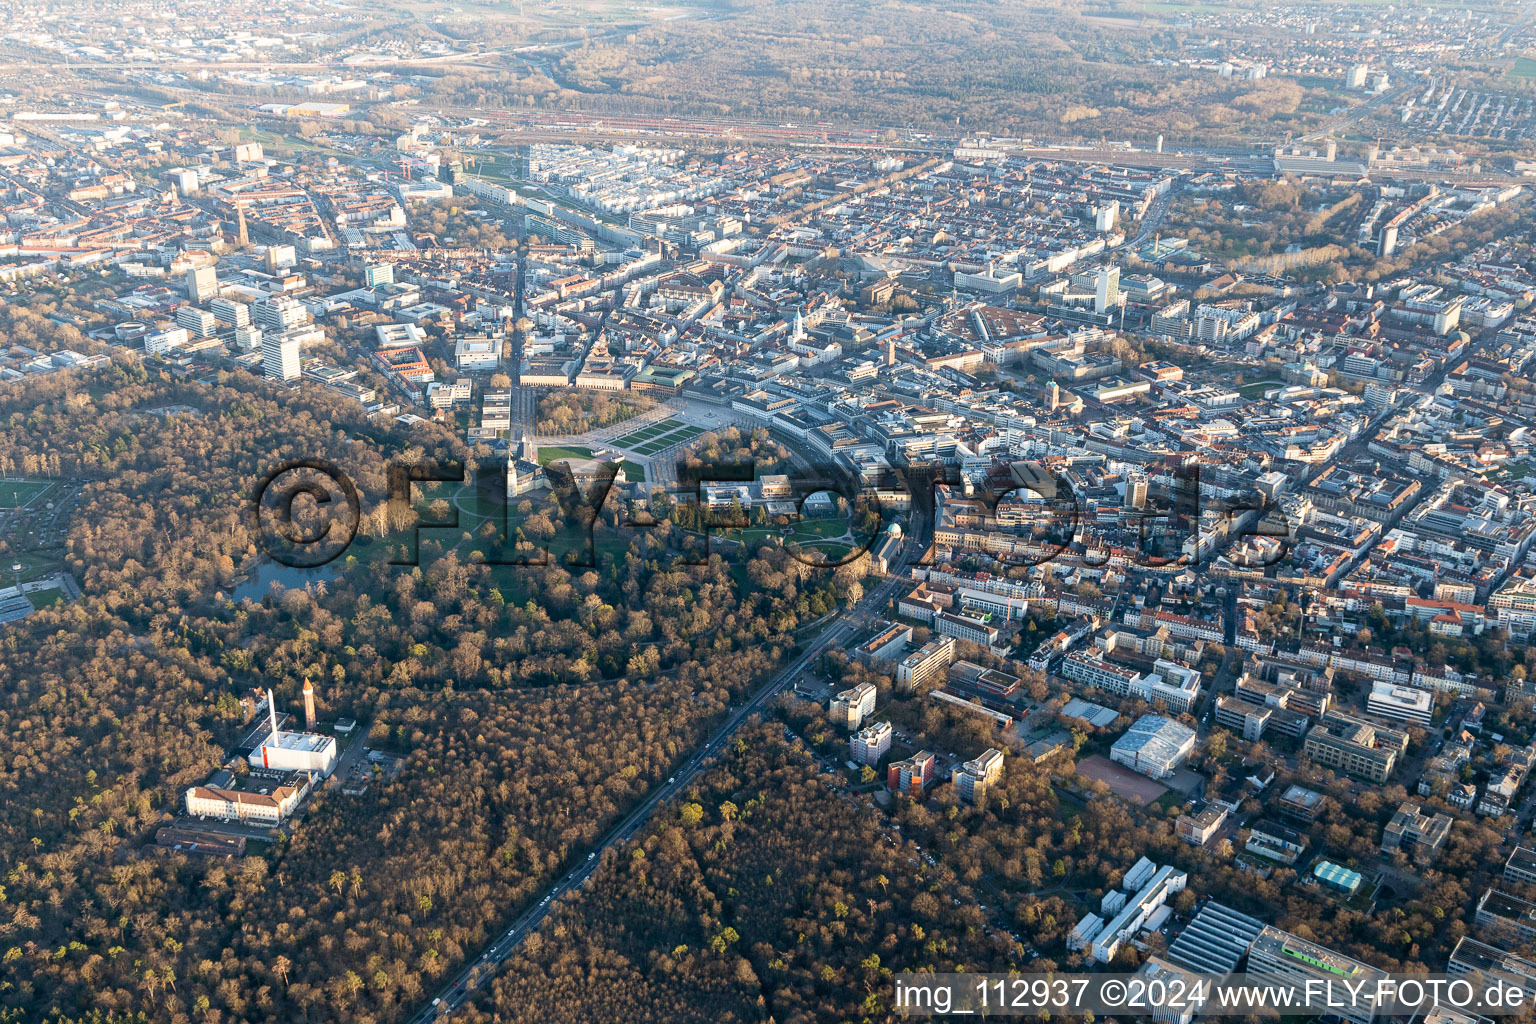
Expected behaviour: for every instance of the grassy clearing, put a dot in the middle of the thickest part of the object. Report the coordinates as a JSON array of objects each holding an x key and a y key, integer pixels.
[
  {"x": 16, "y": 493},
  {"x": 1257, "y": 388},
  {"x": 648, "y": 433},
  {"x": 33, "y": 566},
  {"x": 44, "y": 598},
  {"x": 555, "y": 452}
]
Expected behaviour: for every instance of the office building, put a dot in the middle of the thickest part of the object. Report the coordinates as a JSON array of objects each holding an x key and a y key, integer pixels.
[
  {"x": 1505, "y": 918},
  {"x": 1084, "y": 931},
  {"x": 280, "y": 356},
  {"x": 885, "y": 644},
  {"x": 1418, "y": 835},
  {"x": 159, "y": 343},
  {"x": 1521, "y": 866},
  {"x": 1445, "y": 1015},
  {"x": 230, "y": 313},
  {"x": 199, "y": 322},
  {"x": 1163, "y": 976},
  {"x": 975, "y": 777},
  {"x": 1154, "y": 746},
  {"x": 1176, "y": 686},
  {"x": 376, "y": 274},
  {"x": 279, "y": 312},
  {"x": 1104, "y": 217},
  {"x": 912, "y": 775},
  {"x": 279, "y": 256},
  {"x": 202, "y": 284},
  {"x": 1471, "y": 957},
  {"x": 1091, "y": 668},
  {"x": 1282, "y": 714},
  {"x": 1275, "y": 841},
  {"x": 1199, "y": 827},
  {"x": 185, "y": 180},
  {"x": 1244, "y": 718},
  {"x": 1404, "y": 703},
  {"x": 974, "y": 628},
  {"x": 928, "y": 663},
  {"x": 1355, "y": 746},
  {"x": 1106, "y": 289},
  {"x": 1136, "y": 492},
  {"x": 870, "y": 743},
  {"x": 477, "y": 353},
  {"x": 266, "y": 806},
  {"x": 850, "y": 707},
  {"x": 1149, "y": 898},
  {"x": 1300, "y": 803},
  {"x": 1280, "y": 958},
  {"x": 496, "y": 410}
]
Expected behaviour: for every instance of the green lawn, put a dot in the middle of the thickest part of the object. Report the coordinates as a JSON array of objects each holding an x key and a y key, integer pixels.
[
  {"x": 555, "y": 452},
  {"x": 820, "y": 529},
  {"x": 829, "y": 552},
  {"x": 44, "y": 598},
  {"x": 647, "y": 433},
  {"x": 16, "y": 493},
  {"x": 1524, "y": 67},
  {"x": 632, "y": 471},
  {"x": 32, "y": 567},
  {"x": 664, "y": 441},
  {"x": 1257, "y": 388}
]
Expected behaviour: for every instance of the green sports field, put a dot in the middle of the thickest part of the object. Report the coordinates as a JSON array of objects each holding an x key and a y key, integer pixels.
[
  {"x": 555, "y": 452},
  {"x": 16, "y": 493}
]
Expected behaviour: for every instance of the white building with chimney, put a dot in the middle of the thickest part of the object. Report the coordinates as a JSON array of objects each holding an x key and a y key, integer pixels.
[{"x": 294, "y": 751}]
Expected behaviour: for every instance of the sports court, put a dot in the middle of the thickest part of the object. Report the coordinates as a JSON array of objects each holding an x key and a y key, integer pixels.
[{"x": 1122, "y": 782}]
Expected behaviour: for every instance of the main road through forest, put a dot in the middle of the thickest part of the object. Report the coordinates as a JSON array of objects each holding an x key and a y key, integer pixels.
[{"x": 836, "y": 634}]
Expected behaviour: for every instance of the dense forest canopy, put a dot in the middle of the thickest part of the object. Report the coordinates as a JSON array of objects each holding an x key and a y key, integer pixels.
[{"x": 532, "y": 706}]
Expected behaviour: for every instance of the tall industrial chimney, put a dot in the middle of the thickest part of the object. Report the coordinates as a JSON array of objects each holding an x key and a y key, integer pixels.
[
  {"x": 272, "y": 714},
  {"x": 309, "y": 706}
]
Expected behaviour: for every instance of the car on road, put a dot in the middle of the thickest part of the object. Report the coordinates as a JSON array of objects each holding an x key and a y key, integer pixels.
[{"x": 591, "y": 855}]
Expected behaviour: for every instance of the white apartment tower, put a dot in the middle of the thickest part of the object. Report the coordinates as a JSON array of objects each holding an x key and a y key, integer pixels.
[
  {"x": 870, "y": 743},
  {"x": 230, "y": 313},
  {"x": 202, "y": 284},
  {"x": 280, "y": 356}
]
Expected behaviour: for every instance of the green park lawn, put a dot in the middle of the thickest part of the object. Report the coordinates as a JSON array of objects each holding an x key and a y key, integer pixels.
[{"x": 16, "y": 493}]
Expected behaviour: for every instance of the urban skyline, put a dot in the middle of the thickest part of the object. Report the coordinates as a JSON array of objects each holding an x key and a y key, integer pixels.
[{"x": 572, "y": 511}]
